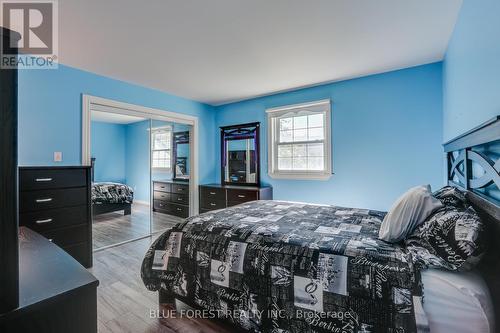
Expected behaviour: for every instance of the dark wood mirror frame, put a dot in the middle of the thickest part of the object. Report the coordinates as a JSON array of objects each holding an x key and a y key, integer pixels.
[
  {"x": 179, "y": 138},
  {"x": 238, "y": 132}
]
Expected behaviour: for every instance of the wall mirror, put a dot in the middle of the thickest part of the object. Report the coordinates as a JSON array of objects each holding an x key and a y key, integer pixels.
[
  {"x": 240, "y": 160},
  {"x": 181, "y": 155}
]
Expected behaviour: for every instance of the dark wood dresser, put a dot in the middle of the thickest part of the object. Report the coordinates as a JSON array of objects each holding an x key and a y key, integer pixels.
[
  {"x": 217, "y": 196},
  {"x": 55, "y": 202},
  {"x": 56, "y": 294},
  {"x": 171, "y": 197}
]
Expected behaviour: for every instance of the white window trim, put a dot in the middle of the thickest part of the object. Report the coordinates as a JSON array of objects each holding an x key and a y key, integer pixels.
[
  {"x": 272, "y": 115},
  {"x": 171, "y": 148}
]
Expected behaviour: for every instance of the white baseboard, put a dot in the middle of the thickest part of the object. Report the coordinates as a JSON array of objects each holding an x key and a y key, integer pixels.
[{"x": 140, "y": 202}]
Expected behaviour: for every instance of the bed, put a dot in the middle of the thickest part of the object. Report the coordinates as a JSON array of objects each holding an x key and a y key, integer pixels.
[
  {"x": 110, "y": 197},
  {"x": 272, "y": 266}
]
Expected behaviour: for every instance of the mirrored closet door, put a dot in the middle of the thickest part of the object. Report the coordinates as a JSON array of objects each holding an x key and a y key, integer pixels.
[
  {"x": 121, "y": 190},
  {"x": 170, "y": 173}
]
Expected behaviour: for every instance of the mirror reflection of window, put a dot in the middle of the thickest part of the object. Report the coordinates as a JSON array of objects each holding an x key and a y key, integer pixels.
[{"x": 161, "y": 149}]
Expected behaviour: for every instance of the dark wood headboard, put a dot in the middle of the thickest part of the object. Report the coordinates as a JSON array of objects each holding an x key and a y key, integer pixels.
[{"x": 474, "y": 166}]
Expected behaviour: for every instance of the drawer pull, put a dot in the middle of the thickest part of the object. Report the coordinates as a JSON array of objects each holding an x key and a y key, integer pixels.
[
  {"x": 212, "y": 204},
  {"x": 179, "y": 209},
  {"x": 213, "y": 193},
  {"x": 43, "y": 221},
  {"x": 179, "y": 199},
  {"x": 43, "y": 200},
  {"x": 43, "y": 179},
  {"x": 180, "y": 189},
  {"x": 241, "y": 196}
]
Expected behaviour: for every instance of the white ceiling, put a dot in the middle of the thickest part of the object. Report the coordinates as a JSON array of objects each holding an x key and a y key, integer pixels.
[
  {"x": 225, "y": 50},
  {"x": 114, "y": 118}
]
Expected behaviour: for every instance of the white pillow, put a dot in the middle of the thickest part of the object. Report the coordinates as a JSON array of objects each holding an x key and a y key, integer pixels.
[{"x": 408, "y": 212}]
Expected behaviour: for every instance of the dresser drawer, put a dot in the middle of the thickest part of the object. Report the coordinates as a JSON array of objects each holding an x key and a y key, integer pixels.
[
  {"x": 180, "y": 188},
  {"x": 157, "y": 195},
  {"x": 54, "y": 218},
  {"x": 67, "y": 236},
  {"x": 180, "y": 199},
  {"x": 49, "y": 199},
  {"x": 162, "y": 187},
  {"x": 41, "y": 179},
  {"x": 212, "y": 204},
  {"x": 241, "y": 195},
  {"x": 213, "y": 193},
  {"x": 161, "y": 205},
  {"x": 178, "y": 210}
]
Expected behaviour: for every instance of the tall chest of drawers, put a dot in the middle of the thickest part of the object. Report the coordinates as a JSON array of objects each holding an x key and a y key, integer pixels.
[
  {"x": 171, "y": 197},
  {"x": 217, "y": 196},
  {"x": 55, "y": 202}
]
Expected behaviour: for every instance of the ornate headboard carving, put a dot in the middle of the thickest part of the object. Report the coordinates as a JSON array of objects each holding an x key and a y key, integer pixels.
[{"x": 474, "y": 166}]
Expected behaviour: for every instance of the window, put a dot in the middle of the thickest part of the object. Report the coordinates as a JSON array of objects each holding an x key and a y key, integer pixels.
[
  {"x": 299, "y": 141},
  {"x": 161, "y": 148}
]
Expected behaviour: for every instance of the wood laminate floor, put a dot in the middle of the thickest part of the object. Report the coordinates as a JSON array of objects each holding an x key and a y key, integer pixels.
[
  {"x": 113, "y": 228},
  {"x": 124, "y": 304}
]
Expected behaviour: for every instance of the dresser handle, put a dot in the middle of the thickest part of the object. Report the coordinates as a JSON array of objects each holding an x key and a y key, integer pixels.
[
  {"x": 43, "y": 221},
  {"x": 179, "y": 209},
  {"x": 179, "y": 199},
  {"x": 213, "y": 193},
  {"x": 241, "y": 196},
  {"x": 212, "y": 204},
  {"x": 43, "y": 179},
  {"x": 43, "y": 200}
]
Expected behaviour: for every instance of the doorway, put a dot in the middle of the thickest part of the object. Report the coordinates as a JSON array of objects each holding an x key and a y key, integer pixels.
[{"x": 131, "y": 148}]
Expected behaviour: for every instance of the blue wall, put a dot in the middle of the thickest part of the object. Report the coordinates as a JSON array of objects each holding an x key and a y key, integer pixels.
[
  {"x": 50, "y": 114},
  {"x": 137, "y": 159},
  {"x": 108, "y": 147},
  {"x": 386, "y": 133},
  {"x": 471, "y": 79}
]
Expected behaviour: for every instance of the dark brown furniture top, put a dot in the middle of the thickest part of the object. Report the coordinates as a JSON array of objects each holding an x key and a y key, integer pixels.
[{"x": 48, "y": 276}]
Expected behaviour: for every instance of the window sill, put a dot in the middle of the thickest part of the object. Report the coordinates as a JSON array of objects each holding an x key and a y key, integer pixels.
[{"x": 301, "y": 176}]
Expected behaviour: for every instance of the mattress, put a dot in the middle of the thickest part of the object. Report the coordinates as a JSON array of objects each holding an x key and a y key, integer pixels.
[
  {"x": 111, "y": 193},
  {"x": 457, "y": 302},
  {"x": 318, "y": 268}
]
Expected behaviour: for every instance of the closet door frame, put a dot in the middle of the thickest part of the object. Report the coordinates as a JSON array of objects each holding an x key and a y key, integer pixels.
[{"x": 90, "y": 103}]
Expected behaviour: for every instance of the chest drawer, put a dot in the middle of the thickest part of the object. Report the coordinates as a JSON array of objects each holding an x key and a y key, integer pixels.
[
  {"x": 161, "y": 205},
  {"x": 157, "y": 195},
  {"x": 179, "y": 210},
  {"x": 162, "y": 187},
  {"x": 180, "y": 198},
  {"x": 213, "y": 193},
  {"x": 241, "y": 195},
  {"x": 41, "y": 179},
  {"x": 212, "y": 204},
  {"x": 54, "y": 218},
  {"x": 67, "y": 236},
  {"x": 50, "y": 199},
  {"x": 180, "y": 188}
]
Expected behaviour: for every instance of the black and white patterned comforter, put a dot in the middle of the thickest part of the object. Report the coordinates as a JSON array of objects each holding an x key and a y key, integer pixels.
[
  {"x": 289, "y": 267},
  {"x": 103, "y": 193}
]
